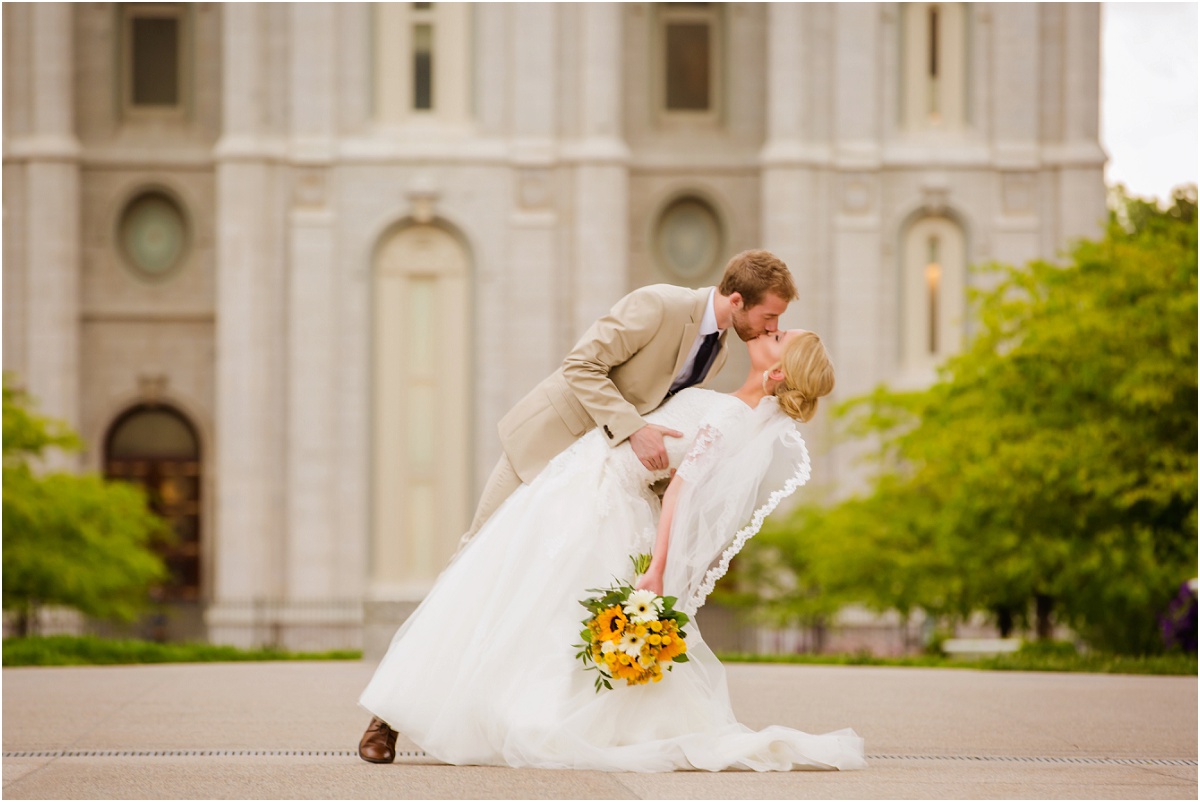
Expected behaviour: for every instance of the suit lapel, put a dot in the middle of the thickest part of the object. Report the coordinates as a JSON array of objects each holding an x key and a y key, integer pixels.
[
  {"x": 691, "y": 330},
  {"x": 685, "y": 346}
]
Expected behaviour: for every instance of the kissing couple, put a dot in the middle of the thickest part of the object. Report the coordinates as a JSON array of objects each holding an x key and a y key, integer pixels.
[{"x": 484, "y": 673}]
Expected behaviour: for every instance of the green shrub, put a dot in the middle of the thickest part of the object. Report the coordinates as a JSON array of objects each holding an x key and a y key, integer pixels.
[
  {"x": 1036, "y": 659},
  {"x": 65, "y": 650}
]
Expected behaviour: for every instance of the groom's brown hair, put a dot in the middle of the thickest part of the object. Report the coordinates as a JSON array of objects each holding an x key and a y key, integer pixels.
[{"x": 755, "y": 273}]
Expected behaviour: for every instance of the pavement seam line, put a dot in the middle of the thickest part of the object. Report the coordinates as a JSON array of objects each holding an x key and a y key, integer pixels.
[{"x": 400, "y": 756}]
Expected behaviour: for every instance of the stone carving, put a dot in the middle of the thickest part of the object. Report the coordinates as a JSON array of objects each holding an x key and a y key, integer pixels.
[
  {"x": 535, "y": 188},
  {"x": 935, "y": 198},
  {"x": 423, "y": 197},
  {"x": 1018, "y": 192},
  {"x": 152, "y": 387},
  {"x": 311, "y": 188},
  {"x": 858, "y": 193}
]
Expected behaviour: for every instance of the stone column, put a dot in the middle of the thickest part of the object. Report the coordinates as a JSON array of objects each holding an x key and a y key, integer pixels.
[
  {"x": 533, "y": 281},
  {"x": 1082, "y": 209},
  {"x": 790, "y": 216},
  {"x": 1016, "y": 67},
  {"x": 51, "y": 230},
  {"x": 856, "y": 303},
  {"x": 247, "y": 446},
  {"x": 1016, "y": 147},
  {"x": 310, "y": 471},
  {"x": 601, "y": 204}
]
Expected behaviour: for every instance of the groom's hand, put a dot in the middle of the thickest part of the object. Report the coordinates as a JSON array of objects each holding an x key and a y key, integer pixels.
[{"x": 647, "y": 443}]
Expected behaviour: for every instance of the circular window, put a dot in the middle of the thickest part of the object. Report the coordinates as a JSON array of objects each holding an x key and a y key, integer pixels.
[
  {"x": 689, "y": 238},
  {"x": 153, "y": 234}
]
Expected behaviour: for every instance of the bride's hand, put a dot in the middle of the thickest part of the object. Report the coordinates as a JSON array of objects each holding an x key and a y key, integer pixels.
[{"x": 650, "y": 581}]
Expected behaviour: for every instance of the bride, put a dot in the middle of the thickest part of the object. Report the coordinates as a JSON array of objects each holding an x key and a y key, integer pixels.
[{"x": 484, "y": 672}]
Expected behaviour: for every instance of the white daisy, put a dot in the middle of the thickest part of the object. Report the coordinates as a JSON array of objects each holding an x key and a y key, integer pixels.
[
  {"x": 607, "y": 646},
  {"x": 632, "y": 643},
  {"x": 643, "y": 606}
]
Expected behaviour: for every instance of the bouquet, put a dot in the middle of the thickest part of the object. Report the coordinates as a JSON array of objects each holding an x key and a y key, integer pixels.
[{"x": 631, "y": 634}]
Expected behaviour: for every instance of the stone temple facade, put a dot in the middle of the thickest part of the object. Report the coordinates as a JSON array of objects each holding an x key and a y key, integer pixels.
[{"x": 288, "y": 264}]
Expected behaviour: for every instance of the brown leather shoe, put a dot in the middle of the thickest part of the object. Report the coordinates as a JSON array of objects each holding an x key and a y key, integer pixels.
[{"x": 378, "y": 744}]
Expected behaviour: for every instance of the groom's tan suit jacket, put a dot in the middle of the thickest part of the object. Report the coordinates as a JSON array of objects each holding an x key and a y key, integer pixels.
[{"x": 621, "y": 369}]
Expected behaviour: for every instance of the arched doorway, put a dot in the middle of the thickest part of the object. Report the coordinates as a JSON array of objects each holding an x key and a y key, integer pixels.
[
  {"x": 156, "y": 446},
  {"x": 421, "y": 402}
]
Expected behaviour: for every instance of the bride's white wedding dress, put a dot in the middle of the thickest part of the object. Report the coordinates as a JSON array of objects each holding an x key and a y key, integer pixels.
[{"x": 484, "y": 671}]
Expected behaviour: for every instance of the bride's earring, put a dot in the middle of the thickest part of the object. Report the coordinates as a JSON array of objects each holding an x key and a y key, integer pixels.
[{"x": 766, "y": 373}]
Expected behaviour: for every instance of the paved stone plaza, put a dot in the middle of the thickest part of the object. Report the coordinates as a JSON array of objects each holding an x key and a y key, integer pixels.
[{"x": 289, "y": 730}]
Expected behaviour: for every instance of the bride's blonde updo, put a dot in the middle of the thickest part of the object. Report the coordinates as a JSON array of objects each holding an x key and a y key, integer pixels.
[{"x": 807, "y": 376}]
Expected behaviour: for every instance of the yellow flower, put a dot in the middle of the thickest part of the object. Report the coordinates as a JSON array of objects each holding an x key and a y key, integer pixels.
[
  {"x": 656, "y": 626},
  {"x": 670, "y": 651},
  {"x": 654, "y": 640},
  {"x": 611, "y": 623},
  {"x": 628, "y": 673}
]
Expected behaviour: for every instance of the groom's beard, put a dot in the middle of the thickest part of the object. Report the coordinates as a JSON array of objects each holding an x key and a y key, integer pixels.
[{"x": 742, "y": 326}]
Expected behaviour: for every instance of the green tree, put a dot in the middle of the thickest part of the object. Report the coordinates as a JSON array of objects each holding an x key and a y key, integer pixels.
[
  {"x": 72, "y": 540},
  {"x": 1051, "y": 469}
]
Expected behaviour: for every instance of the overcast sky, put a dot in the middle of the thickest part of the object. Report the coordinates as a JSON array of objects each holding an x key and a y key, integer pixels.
[{"x": 1148, "y": 95}]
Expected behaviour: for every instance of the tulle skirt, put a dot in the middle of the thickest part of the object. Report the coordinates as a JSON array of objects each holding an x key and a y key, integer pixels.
[{"x": 484, "y": 671}]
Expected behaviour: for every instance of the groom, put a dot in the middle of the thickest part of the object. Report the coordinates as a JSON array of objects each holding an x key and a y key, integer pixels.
[{"x": 655, "y": 341}]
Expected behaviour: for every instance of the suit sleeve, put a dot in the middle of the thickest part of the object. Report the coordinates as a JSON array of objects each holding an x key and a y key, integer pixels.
[{"x": 610, "y": 341}]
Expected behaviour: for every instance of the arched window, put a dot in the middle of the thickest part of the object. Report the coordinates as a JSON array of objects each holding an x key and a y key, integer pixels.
[
  {"x": 156, "y": 447},
  {"x": 420, "y": 406},
  {"x": 933, "y": 294},
  {"x": 934, "y": 65}
]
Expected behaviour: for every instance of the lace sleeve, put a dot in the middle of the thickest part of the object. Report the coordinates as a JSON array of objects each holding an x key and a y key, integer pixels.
[
  {"x": 721, "y": 567},
  {"x": 702, "y": 453},
  {"x": 736, "y": 473}
]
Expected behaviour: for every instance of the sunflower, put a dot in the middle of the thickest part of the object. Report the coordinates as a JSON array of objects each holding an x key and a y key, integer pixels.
[{"x": 611, "y": 623}]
